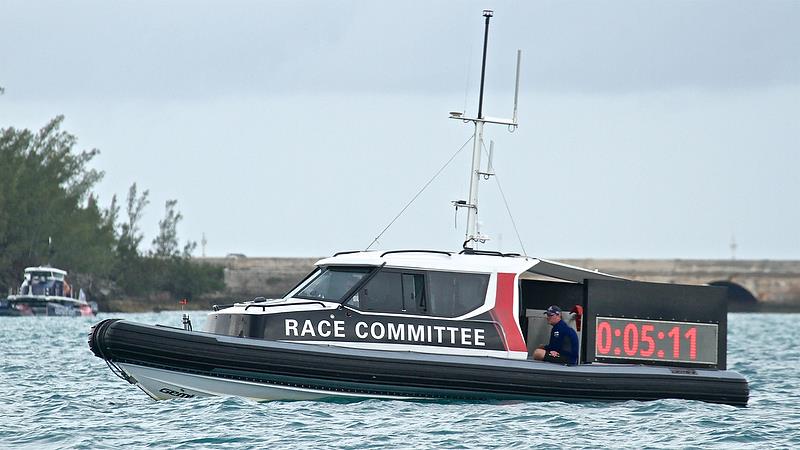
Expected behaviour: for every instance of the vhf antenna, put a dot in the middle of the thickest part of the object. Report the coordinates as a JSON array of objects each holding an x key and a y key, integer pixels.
[{"x": 472, "y": 236}]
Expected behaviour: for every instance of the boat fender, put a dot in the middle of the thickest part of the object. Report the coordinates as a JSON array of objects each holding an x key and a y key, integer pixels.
[
  {"x": 578, "y": 311},
  {"x": 97, "y": 337}
]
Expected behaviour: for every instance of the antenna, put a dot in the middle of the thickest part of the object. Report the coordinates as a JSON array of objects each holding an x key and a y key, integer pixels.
[
  {"x": 488, "y": 13},
  {"x": 516, "y": 87},
  {"x": 489, "y": 166}
]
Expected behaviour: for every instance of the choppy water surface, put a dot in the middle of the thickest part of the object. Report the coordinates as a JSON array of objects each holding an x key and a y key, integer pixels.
[{"x": 55, "y": 394}]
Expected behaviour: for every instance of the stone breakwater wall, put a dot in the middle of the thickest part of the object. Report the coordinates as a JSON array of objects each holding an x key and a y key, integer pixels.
[
  {"x": 770, "y": 282},
  {"x": 246, "y": 278}
]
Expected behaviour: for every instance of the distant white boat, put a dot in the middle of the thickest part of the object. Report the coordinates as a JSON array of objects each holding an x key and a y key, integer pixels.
[{"x": 45, "y": 291}]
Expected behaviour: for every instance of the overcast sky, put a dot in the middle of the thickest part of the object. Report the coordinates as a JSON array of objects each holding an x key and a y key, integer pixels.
[{"x": 300, "y": 128}]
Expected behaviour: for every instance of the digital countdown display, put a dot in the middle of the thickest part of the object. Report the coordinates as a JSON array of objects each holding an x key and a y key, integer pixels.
[{"x": 655, "y": 340}]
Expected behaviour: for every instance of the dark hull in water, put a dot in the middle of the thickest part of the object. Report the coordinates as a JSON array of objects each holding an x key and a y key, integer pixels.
[
  {"x": 163, "y": 361},
  {"x": 39, "y": 305}
]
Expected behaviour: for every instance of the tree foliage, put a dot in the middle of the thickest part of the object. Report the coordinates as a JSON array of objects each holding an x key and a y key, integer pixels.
[
  {"x": 165, "y": 245},
  {"x": 130, "y": 236},
  {"x": 48, "y": 215}
]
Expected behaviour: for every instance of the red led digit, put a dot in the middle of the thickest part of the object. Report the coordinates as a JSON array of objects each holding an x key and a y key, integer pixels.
[
  {"x": 630, "y": 339},
  {"x": 603, "y": 338},
  {"x": 675, "y": 334},
  {"x": 691, "y": 334},
  {"x": 651, "y": 347}
]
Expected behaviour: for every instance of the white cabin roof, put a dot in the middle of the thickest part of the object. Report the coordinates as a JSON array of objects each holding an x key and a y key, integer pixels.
[
  {"x": 436, "y": 260},
  {"x": 45, "y": 269}
]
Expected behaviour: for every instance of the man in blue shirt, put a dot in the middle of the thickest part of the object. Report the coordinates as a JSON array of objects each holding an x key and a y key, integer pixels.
[{"x": 563, "y": 346}]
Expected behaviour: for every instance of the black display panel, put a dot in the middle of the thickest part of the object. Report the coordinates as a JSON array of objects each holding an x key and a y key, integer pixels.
[
  {"x": 655, "y": 340},
  {"x": 692, "y": 314}
]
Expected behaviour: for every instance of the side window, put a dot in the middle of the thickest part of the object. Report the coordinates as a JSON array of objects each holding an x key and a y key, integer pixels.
[
  {"x": 454, "y": 294},
  {"x": 414, "y": 294},
  {"x": 383, "y": 293},
  {"x": 392, "y": 292}
]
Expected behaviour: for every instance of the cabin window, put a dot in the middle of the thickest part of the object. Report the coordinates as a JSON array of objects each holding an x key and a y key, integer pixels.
[
  {"x": 333, "y": 283},
  {"x": 455, "y": 294},
  {"x": 392, "y": 292},
  {"x": 383, "y": 293},
  {"x": 447, "y": 294},
  {"x": 414, "y": 294}
]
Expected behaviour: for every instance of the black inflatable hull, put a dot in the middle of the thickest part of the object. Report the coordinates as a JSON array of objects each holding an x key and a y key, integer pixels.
[{"x": 139, "y": 350}]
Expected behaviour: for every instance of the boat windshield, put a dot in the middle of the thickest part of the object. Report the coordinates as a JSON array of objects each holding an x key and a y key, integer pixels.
[{"x": 333, "y": 283}]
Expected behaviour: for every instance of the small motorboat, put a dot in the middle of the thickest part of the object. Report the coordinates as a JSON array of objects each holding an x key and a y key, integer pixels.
[
  {"x": 45, "y": 291},
  {"x": 429, "y": 324}
]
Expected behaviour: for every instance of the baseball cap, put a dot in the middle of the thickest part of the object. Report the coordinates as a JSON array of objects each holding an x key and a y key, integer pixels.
[{"x": 553, "y": 310}]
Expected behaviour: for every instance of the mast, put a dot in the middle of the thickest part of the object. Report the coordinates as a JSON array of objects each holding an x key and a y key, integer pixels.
[{"x": 472, "y": 237}]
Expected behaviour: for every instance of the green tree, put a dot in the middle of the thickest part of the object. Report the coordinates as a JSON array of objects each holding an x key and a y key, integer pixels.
[
  {"x": 130, "y": 236},
  {"x": 176, "y": 273},
  {"x": 46, "y": 212},
  {"x": 184, "y": 278},
  {"x": 133, "y": 273},
  {"x": 165, "y": 245}
]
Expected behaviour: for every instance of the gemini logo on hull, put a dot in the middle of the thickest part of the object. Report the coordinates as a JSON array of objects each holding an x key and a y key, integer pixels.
[{"x": 175, "y": 393}]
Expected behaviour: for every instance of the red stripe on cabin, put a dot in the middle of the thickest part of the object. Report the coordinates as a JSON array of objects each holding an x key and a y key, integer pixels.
[{"x": 503, "y": 312}]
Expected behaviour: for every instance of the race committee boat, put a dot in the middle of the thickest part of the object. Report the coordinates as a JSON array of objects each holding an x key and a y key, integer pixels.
[{"x": 430, "y": 324}]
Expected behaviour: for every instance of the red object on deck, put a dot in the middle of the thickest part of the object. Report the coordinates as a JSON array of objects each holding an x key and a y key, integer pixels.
[{"x": 578, "y": 310}]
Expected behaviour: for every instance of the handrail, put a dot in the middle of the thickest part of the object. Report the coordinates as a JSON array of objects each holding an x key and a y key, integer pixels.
[
  {"x": 440, "y": 252},
  {"x": 488, "y": 253},
  {"x": 348, "y": 252},
  {"x": 264, "y": 307}
]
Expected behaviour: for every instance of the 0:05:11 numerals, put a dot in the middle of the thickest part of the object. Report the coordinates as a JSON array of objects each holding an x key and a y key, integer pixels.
[{"x": 639, "y": 340}]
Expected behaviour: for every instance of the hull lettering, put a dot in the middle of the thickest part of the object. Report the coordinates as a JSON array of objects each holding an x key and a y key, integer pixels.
[{"x": 385, "y": 332}]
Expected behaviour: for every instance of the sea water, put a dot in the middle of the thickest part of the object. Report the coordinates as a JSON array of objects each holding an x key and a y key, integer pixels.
[{"x": 54, "y": 393}]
